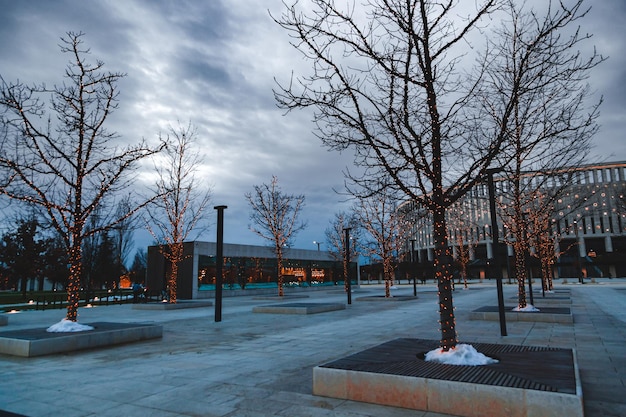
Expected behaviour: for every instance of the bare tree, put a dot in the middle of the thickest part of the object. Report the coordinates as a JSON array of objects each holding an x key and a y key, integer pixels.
[
  {"x": 543, "y": 238},
  {"x": 70, "y": 165},
  {"x": 183, "y": 200},
  {"x": 139, "y": 266},
  {"x": 275, "y": 216},
  {"x": 388, "y": 229},
  {"x": 462, "y": 238},
  {"x": 386, "y": 84},
  {"x": 123, "y": 232},
  {"x": 336, "y": 238},
  {"x": 537, "y": 60},
  {"x": 335, "y": 233}
]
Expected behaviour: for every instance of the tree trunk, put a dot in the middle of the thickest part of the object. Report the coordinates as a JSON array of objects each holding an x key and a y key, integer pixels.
[
  {"x": 279, "y": 270},
  {"x": 443, "y": 275},
  {"x": 520, "y": 272},
  {"x": 175, "y": 257},
  {"x": 172, "y": 282},
  {"x": 388, "y": 273},
  {"x": 73, "y": 284}
]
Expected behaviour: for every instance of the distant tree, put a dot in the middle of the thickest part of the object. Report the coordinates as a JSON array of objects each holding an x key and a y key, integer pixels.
[
  {"x": 536, "y": 58},
  {"x": 180, "y": 209},
  {"x": 139, "y": 266},
  {"x": 336, "y": 237},
  {"x": 70, "y": 165},
  {"x": 335, "y": 234},
  {"x": 21, "y": 254},
  {"x": 388, "y": 229},
  {"x": 122, "y": 233},
  {"x": 107, "y": 269},
  {"x": 543, "y": 238},
  {"x": 90, "y": 247},
  {"x": 274, "y": 217},
  {"x": 462, "y": 238},
  {"x": 55, "y": 261}
]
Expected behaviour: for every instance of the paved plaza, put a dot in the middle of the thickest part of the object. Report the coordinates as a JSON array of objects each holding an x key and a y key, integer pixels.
[{"x": 260, "y": 364}]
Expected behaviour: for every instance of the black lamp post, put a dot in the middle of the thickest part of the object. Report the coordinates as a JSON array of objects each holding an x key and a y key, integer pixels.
[
  {"x": 315, "y": 242},
  {"x": 495, "y": 248},
  {"x": 580, "y": 268},
  {"x": 346, "y": 269},
  {"x": 219, "y": 262},
  {"x": 413, "y": 267},
  {"x": 527, "y": 257}
]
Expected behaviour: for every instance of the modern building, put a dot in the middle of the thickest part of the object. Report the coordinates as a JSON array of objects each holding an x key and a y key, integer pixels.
[
  {"x": 588, "y": 222},
  {"x": 245, "y": 267}
]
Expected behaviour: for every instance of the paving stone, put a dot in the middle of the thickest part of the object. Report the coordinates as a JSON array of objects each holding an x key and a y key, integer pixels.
[{"x": 259, "y": 364}]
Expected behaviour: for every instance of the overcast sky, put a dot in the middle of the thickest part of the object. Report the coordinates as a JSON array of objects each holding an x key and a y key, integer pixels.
[{"x": 213, "y": 63}]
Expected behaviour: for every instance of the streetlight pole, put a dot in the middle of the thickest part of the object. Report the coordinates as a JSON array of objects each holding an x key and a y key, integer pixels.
[
  {"x": 527, "y": 258},
  {"x": 346, "y": 269},
  {"x": 219, "y": 262},
  {"x": 315, "y": 242},
  {"x": 495, "y": 247},
  {"x": 580, "y": 268},
  {"x": 413, "y": 267}
]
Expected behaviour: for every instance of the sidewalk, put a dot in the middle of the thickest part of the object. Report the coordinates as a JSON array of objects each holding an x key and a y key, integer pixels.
[{"x": 256, "y": 364}]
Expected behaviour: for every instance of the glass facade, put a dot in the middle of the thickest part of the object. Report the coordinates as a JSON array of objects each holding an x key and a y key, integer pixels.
[
  {"x": 587, "y": 220},
  {"x": 257, "y": 272}
]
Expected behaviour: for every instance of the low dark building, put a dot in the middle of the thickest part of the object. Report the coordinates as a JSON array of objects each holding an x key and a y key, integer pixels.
[{"x": 245, "y": 267}]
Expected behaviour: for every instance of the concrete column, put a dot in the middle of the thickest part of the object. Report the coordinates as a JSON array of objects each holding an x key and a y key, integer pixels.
[
  {"x": 194, "y": 272},
  {"x": 608, "y": 243},
  {"x": 557, "y": 247},
  {"x": 489, "y": 250},
  {"x": 582, "y": 249}
]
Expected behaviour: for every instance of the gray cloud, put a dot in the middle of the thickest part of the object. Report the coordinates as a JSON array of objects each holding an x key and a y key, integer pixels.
[{"x": 214, "y": 63}]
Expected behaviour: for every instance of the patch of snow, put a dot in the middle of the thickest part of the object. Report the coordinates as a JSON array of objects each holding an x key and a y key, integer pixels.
[
  {"x": 528, "y": 308},
  {"x": 66, "y": 325},
  {"x": 462, "y": 354}
]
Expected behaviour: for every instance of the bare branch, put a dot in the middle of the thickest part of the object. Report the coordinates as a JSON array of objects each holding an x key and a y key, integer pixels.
[
  {"x": 181, "y": 202},
  {"x": 274, "y": 217},
  {"x": 68, "y": 166}
]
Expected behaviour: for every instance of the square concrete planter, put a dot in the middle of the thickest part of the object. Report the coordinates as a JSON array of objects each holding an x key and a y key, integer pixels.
[
  {"x": 547, "y": 314},
  {"x": 38, "y": 342},
  {"x": 527, "y": 381},
  {"x": 299, "y": 308}
]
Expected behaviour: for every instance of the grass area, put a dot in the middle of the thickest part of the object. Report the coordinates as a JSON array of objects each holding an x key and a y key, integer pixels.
[
  {"x": 262, "y": 285},
  {"x": 41, "y": 300}
]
